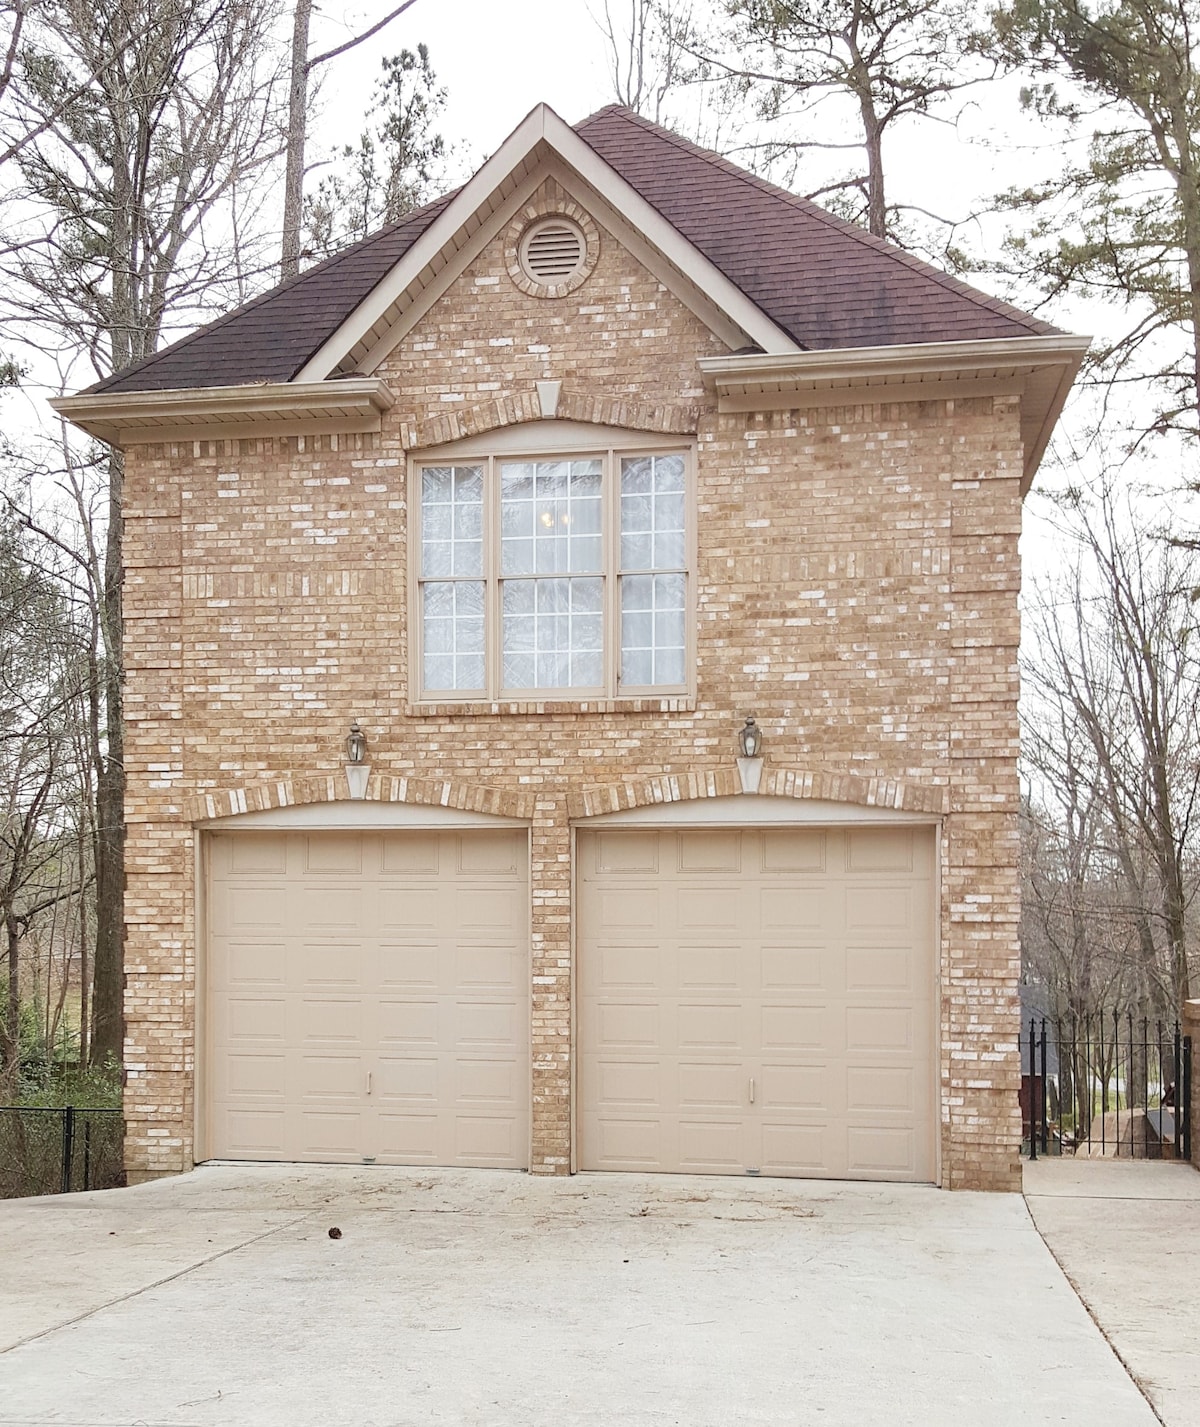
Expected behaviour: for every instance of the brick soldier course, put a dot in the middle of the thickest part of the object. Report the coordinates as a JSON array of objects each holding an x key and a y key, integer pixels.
[{"x": 855, "y": 584}]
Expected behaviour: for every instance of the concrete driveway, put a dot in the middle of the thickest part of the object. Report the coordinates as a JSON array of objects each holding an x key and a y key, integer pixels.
[{"x": 480, "y": 1297}]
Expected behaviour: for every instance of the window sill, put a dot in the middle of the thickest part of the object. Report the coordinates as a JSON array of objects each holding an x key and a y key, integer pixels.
[{"x": 516, "y": 708}]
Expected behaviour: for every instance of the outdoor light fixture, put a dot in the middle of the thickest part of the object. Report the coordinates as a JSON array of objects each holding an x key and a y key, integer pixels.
[
  {"x": 749, "y": 742},
  {"x": 358, "y": 772},
  {"x": 750, "y": 739}
]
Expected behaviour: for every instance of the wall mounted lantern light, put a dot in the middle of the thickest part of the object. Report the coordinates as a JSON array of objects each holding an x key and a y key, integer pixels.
[
  {"x": 358, "y": 772},
  {"x": 749, "y": 744}
]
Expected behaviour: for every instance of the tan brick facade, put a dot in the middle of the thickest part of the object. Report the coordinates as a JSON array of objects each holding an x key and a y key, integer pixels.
[{"x": 856, "y": 589}]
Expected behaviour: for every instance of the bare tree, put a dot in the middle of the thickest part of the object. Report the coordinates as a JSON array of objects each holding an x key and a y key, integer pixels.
[
  {"x": 1113, "y": 736},
  {"x": 121, "y": 224},
  {"x": 646, "y": 59},
  {"x": 834, "y": 78},
  {"x": 300, "y": 71}
]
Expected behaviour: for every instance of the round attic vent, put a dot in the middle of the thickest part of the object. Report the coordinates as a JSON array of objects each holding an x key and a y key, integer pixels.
[{"x": 553, "y": 251}]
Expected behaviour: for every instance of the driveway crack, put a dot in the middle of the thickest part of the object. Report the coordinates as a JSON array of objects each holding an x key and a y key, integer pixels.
[{"x": 159, "y": 1282}]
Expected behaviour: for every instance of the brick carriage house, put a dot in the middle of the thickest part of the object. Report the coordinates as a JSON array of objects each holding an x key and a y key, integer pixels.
[{"x": 549, "y": 487}]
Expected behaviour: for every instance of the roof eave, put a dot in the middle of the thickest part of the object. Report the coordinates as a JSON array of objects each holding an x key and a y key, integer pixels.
[
  {"x": 1038, "y": 369},
  {"x": 351, "y": 404}
]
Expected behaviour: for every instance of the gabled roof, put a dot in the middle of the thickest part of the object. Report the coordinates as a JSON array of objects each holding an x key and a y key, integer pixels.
[{"x": 816, "y": 282}]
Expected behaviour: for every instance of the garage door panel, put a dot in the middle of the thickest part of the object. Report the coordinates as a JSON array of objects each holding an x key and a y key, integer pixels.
[
  {"x": 392, "y": 972},
  {"x": 881, "y": 1028},
  {"x": 703, "y": 1085},
  {"x": 252, "y": 1019},
  {"x": 870, "y": 849},
  {"x": 328, "y": 1021},
  {"x": 792, "y": 1147},
  {"x": 708, "y": 968},
  {"x": 328, "y": 905},
  {"x": 628, "y": 1142},
  {"x": 883, "y": 968},
  {"x": 707, "y": 909},
  {"x": 409, "y": 909},
  {"x": 255, "y": 963},
  {"x": 628, "y": 1082},
  {"x": 795, "y": 1087},
  {"x": 408, "y": 1022},
  {"x": 334, "y": 852},
  {"x": 412, "y": 1081},
  {"x": 625, "y": 852},
  {"x": 484, "y": 965},
  {"x": 495, "y": 853},
  {"x": 708, "y": 1026},
  {"x": 411, "y": 1139},
  {"x": 408, "y": 964},
  {"x": 633, "y": 1024},
  {"x": 879, "y": 1089},
  {"x": 793, "y": 850},
  {"x": 807, "y": 1028},
  {"x": 257, "y": 1076},
  {"x": 479, "y": 1024},
  {"x": 788, "y": 909},
  {"x": 256, "y": 1134},
  {"x": 329, "y": 964},
  {"x": 624, "y": 968},
  {"x": 793, "y": 968},
  {"x": 487, "y": 1082},
  {"x": 330, "y": 1135},
  {"x": 811, "y": 974},
  {"x": 711, "y": 1146},
  {"x": 878, "y": 1151},
  {"x": 710, "y": 852}
]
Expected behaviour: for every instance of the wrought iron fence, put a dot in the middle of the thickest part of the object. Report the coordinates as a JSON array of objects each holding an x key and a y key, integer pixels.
[
  {"x": 55, "y": 1151},
  {"x": 1109, "y": 1084}
]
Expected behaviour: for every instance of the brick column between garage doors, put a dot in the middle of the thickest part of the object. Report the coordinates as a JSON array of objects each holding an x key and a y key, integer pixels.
[{"x": 550, "y": 940}]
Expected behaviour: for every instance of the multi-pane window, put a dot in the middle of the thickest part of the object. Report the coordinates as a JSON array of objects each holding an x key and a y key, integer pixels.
[{"x": 564, "y": 575}]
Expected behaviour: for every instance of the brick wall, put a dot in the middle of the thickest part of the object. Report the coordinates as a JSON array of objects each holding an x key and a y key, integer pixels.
[{"x": 856, "y": 587}]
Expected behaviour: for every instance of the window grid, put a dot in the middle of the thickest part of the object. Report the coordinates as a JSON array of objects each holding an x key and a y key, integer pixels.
[{"x": 569, "y": 572}]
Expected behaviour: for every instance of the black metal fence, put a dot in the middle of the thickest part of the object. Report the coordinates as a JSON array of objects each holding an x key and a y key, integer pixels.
[
  {"x": 55, "y": 1151},
  {"x": 1107, "y": 1085}
]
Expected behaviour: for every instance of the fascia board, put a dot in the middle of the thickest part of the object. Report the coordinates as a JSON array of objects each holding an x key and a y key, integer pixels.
[
  {"x": 542, "y": 125},
  {"x": 355, "y": 403}
]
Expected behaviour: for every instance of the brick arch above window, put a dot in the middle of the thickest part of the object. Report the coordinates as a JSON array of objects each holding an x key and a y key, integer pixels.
[{"x": 667, "y": 418}]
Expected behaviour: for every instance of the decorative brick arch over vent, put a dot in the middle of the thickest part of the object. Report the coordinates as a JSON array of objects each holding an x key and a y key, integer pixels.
[
  {"x": 552, "y": 246},
  {"x": 887, "y": 793},
  {"x": 383, "y": 788}
]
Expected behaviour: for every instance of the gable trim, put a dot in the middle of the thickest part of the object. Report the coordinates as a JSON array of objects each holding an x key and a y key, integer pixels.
[{"x": 360, "y": 332}]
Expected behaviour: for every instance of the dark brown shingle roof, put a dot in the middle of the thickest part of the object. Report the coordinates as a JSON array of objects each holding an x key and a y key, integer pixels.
[{"x": 827, "y": 283}]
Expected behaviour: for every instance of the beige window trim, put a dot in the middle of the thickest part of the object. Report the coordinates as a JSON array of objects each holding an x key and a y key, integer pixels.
[{"x": 550, "y": 440}]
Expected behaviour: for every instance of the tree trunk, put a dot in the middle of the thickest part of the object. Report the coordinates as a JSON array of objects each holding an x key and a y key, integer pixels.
[
  {"x": 12, "y": 1013},
  {"x": 108, "y": 970},
  {"x": 293, "y": 192}
]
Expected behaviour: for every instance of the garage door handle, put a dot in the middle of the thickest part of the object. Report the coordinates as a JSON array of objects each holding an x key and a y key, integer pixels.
[
  {"x": 368, "y": 1082},
  {"x": 752, "y": 1090}
]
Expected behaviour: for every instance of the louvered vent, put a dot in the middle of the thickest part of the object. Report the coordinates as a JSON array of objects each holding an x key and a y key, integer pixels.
[{"x": 553, "y": 251}]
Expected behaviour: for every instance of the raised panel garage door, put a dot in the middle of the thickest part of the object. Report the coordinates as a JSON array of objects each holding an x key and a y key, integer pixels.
[
  {"x": 367, "y": 997},
  {"x": 758, "y": 1001}
]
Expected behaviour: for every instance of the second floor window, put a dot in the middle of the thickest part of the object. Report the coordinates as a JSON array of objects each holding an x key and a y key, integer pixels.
[{"x": 565, "y": 575}]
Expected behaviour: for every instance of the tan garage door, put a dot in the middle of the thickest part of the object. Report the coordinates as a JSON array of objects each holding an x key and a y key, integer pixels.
[
  {"x": 368, "y": 997},
  {"x": 758, "y": 1000}
]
